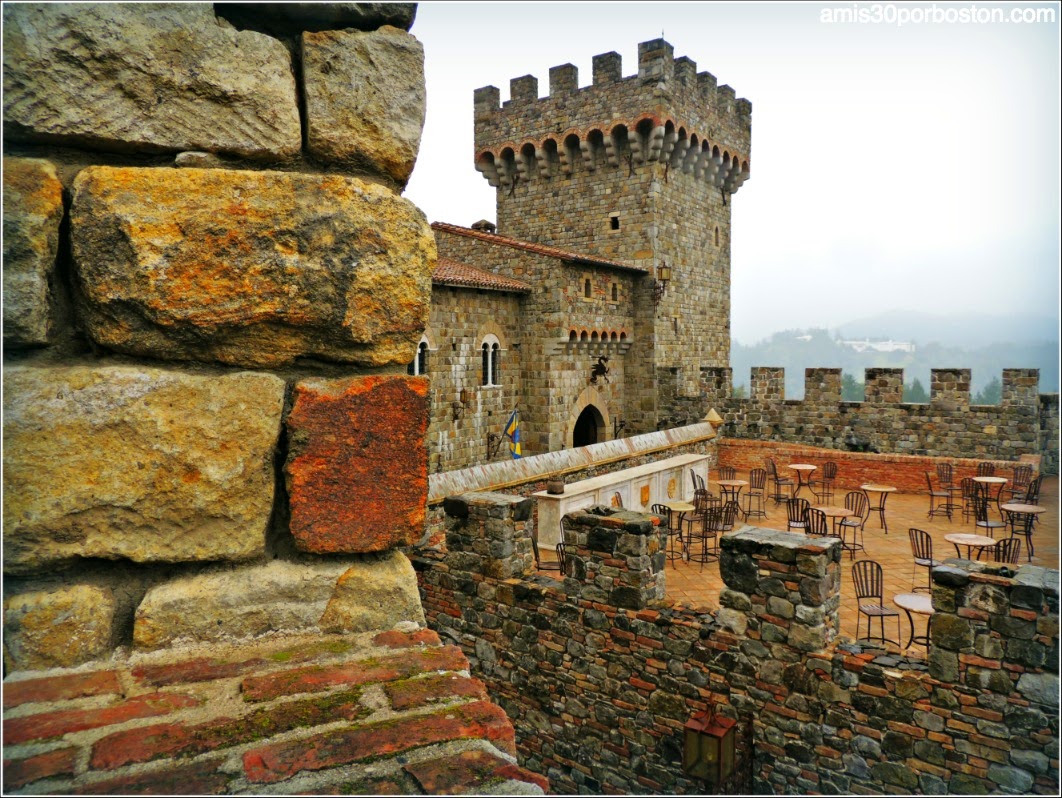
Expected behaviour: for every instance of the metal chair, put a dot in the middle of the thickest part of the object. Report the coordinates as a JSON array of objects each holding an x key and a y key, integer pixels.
[
  {"x": 922, "y": 549},
  {"x": 968, "y": 488},
  {"x": 779, "y": 482},
  {"x": 710, "y": 527},
  {"x": 986, "y": 469},
  {"x": 869, "y": 586},
  {"x": 857, "y": 502},
  {"x": 698, "y": 481},
  {"x": 822, "y": 486},
  {"x": 755, "y": 494},
  {"x": 983, "y": 521},
  {"x": 938, "y": 499},
  {"x": 727, "y": 472},
  {"x": 1007, "y": 550},
  {"x": 1019, "y": 484},
  {"x": 731, "y": 510},
  {"x": 674, "y": 531},
  {"x": 795, "y": 508},
  {"x": 815, "y": 523},
  {"x": 946, "y": 481},
  {"x": 546, "y": 565}
]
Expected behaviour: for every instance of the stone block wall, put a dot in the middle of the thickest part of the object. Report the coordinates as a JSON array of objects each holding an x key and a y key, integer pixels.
[
  {"x": 1024, "y": 423},
  {"x": 210, "y": 437},
  {"x": 599, "y": 693}
]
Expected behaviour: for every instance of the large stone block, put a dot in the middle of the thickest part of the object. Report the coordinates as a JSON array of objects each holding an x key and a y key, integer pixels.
[
  {"x": 365, "y": 98},
  {"x": 142, "y": 77},
  {"x": 33, "y": 209},
  {"x": 357, "y": 463},
  {"x": 58, "y": 628},
  {"x": 136, "y": 463},
  {"x": 376, "y": 592},
  {"x": 250, "y": 268}
]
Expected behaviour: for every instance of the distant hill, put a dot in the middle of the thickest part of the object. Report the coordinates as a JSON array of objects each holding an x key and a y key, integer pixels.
[
  {"x": 796, "y": 350},
  {"x": 960, "y": 330}
]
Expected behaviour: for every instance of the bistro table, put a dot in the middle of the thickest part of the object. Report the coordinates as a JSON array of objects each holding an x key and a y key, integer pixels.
[
  {"x": 835, "y": 514},
  {"x": 803, "y": 475},
  {"x": 919, "y": 604},
  {"x": 1024, "y": 514},
  {"x": 999, "y": 482},
  {"x": 971, "y": 542},
  {"x": 883, "y": 492},
  {"x": 679, "y": 508},
  {"x": 731, "y": 488}
]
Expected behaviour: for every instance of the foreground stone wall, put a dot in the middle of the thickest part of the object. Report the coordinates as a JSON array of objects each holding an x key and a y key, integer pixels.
[
  {"x": 210, "y": 437},
  {"x": 1023, "y": 423},
  {"x": 600, "y": 675}
]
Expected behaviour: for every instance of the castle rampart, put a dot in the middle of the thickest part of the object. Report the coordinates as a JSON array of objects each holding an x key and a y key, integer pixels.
[{"x": 948, "y": 425}]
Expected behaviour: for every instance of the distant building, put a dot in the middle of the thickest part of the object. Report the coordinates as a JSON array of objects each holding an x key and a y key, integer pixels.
[{"x": 880, "y": 346}]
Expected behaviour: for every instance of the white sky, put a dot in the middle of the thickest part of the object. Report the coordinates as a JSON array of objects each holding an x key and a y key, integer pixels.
[{"x": 909, "y": 167}]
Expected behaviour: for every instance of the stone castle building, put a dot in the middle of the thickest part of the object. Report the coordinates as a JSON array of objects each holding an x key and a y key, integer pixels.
[{"x": 604, "y": 289}]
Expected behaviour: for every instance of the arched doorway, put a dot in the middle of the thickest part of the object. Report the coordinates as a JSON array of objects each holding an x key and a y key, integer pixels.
[{"x": 589, "y": 427}]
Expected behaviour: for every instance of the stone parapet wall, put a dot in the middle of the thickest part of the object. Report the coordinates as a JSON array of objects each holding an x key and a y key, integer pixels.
[
  {"x": 386, "y": 713},
  {"x": 599, "y": 693},
  {"x": 948, "y": 426}
]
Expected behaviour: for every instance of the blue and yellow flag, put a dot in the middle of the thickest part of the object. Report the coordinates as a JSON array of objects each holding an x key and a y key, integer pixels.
[{"x": 512, "y": 432}]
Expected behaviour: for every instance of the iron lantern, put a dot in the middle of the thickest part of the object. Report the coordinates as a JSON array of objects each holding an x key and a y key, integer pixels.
[{"x": 709, "y": 747}]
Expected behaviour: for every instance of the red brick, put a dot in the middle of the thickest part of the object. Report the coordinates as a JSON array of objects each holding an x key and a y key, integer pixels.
[
  {"x": 323, "y": 677},
  {"x": 20, "y": 772},
  {"x": 193, "y": 670},
  {"x": 396, "y": 639},
  {"x": 357, "y": 468},
  {"x": 166, "y": 740},
  {"x": 456, "y": 775},
  {"x": 60, "y": 688},
  {"x": 272, "y": 763},
  {"x": 413, "y": 693},
  {"x": 200, "y": 778},
  {"x": 641, "y": 684},
  {"x": 56, "y": 724},
  {"x": 1027, "y": 615},
  {"x": 981, "y": 662}
]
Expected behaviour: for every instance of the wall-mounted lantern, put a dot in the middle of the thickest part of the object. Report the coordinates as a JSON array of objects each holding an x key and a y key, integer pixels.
[
  {"x": 709, "y": 747},
  {"x": 663, "y": 277}
]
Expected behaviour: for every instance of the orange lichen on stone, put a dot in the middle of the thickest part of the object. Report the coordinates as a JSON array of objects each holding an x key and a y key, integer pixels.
[{"x": 357, "y": 464}]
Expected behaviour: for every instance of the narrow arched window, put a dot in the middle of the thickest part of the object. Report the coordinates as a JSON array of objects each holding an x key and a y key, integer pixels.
[
  {"x": 587, "y": 288},
  {"x": 615, "y": 292},
  {"x": 419, "y": 364},
  {"x": 490, "y": 365}
]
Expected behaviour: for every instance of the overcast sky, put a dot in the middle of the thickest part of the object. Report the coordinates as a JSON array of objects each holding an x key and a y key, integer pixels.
[{"x": 893, "y": 166}]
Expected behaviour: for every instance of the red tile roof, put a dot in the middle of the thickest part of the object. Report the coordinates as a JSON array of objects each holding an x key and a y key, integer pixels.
[
  {"x": 538, "y": 249},
  {"x": 450, "y": 272}
]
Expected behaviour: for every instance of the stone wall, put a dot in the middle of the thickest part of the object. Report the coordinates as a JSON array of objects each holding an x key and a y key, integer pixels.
[
  {"x": 600, "y": 675},
  {"x": 1024, "y": 423},
  {"x": 212, "y": 287}
]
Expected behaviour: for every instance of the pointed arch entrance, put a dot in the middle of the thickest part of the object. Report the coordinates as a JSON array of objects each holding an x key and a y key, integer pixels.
[
  {"x": 588, "y": 422},
  {"x": 589, "y": 427}
]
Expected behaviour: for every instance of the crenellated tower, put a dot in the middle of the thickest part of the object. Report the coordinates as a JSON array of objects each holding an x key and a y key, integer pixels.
[{"x": 641, "y": 170}]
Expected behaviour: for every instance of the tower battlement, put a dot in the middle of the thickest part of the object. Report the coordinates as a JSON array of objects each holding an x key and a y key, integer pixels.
[{"x": 668, "y": 112}]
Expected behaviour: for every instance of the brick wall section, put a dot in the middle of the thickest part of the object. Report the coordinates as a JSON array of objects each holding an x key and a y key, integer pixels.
[
  {"x": 1024, "y": 423},
  {"x": 906, "y": 473},
  {"x": 599, "y": 693},
  {"x": 378, "y": 713}
]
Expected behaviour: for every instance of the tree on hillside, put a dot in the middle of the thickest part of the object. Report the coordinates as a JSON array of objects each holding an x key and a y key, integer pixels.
[
  {"x": 915, "y": 393},
  {"x": 991, "y": 394},
  {"x": 851, "y": 390}
]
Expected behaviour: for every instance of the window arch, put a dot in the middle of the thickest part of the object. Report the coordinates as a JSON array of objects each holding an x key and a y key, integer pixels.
[
  {"x": 419, "y": 364},
  {"x": 490, "y": 361}
]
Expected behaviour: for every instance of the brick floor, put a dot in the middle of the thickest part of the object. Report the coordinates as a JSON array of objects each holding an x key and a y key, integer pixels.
[{"x": 691, "y": 583}]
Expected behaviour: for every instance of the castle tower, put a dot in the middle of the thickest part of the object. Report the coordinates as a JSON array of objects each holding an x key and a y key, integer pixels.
[{"x": 640, "y": 170}]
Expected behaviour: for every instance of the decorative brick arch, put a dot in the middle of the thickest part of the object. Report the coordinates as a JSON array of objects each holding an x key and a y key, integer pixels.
[
  {"x": 429, "y": 336},
  {"x": 590, "y": 397},
  {"x": 492, "y": 328}
]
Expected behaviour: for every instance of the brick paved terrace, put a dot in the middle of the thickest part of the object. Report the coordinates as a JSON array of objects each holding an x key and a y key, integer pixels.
[{"x": 699, "y": 586}]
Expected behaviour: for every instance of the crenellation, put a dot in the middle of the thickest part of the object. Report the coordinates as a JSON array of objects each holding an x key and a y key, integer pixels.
[
  {"x": 563, "y": 79},
  {"x": 822, "y": 386},
  {"x": 706, "y": 85},
  {"x": 608, "y": 68},
  {"x": 950, "y": 388},
  {"x": 1021, "y": 387},
  {"x": 883, "y": 386},
  {"x": 486, "y": 100},
  {"x": 686, "y": 71},
  {"x": 656, "y": 61},
  {"x": 523, "y": 90}
]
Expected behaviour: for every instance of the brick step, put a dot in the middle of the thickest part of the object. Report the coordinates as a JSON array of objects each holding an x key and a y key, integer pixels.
[{"x": 390, "y": 712}]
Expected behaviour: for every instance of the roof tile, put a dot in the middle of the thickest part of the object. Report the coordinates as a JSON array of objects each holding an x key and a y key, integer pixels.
[{"x": 451, "y": 272}]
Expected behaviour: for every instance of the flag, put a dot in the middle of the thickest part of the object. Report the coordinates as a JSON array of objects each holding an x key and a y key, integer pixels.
[{"x": 512, "y": 432}]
